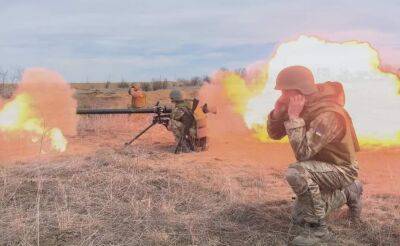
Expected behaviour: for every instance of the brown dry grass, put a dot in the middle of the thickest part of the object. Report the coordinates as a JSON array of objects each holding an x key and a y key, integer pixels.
[
  {"x": 100, "y": 194},
  {"x": 136, "y": 197},
  {"x": 115, "y": 198}
]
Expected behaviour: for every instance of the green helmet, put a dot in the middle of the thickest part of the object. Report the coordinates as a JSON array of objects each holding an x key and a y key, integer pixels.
[
  {"x": 176, "y": 95},
  {"x": 296, "y": 78}
]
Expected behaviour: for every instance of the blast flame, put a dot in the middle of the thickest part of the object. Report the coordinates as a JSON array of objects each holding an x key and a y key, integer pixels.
[
  {"x": 36, "y": 119},
  {"x": 19, "y": 117},
  {"x": 240, "y": 88},
  {"x": 371, "y": 94}
]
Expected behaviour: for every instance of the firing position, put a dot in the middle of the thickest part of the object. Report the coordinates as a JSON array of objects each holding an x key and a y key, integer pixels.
[
  {"x": 188, "y": 123},
  {"x": 138, "y": 96},
  {"x": 323, "y": 139}
]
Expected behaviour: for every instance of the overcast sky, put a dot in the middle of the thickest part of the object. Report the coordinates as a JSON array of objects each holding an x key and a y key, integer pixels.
[{"x": 140, "y": 40}]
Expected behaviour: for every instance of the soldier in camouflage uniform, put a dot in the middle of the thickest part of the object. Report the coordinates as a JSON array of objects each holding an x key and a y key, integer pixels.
[
  {"x": 181, "y": 116},
  {"x": 323, "y": 139}
]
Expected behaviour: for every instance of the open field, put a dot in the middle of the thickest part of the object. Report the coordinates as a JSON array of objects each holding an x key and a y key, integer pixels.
[{"x": 97, "y": 193}]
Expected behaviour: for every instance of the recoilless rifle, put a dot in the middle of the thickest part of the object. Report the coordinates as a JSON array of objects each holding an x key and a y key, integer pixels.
[{"x": 162, "y": 116}]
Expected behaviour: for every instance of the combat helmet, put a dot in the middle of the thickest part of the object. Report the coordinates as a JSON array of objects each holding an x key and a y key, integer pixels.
[
  {"x": 296, "y": 78},
  {"x": 176, "y": 95}
]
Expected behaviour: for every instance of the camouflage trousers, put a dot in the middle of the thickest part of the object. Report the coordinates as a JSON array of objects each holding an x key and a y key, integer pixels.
[
  {"x": 185, "y": 145},
  {"x": 178, "y": 129},
  {"x": 319, "y": 188}
]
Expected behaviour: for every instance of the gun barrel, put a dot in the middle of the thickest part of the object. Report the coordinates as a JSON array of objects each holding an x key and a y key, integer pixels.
[{"x": 122, "y": 111}]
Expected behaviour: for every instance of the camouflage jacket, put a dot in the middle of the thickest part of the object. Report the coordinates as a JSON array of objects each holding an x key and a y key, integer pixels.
[
  {"x": 177, "y": 117},
  {"x": 307, "y": 140}
]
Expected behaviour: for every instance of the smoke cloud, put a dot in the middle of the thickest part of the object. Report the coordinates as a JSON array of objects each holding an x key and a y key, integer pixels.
[
  {"x": 52, "y": 98},
  {"x": 38, "y": 116},
  {"x": 227, "y": 93}
]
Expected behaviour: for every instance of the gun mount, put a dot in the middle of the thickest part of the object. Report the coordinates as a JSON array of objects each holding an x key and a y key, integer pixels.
[{"x": 162, "y": 115}]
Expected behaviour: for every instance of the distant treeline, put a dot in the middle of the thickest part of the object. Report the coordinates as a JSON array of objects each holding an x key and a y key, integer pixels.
[{"x": 162, "y": 84}]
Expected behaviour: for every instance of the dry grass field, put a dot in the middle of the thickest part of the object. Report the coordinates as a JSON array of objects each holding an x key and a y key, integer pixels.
[{"x": 99, "y": 193}]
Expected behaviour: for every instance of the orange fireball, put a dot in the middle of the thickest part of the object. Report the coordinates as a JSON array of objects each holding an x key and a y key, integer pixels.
[
  {"x": 41, "y": 112},
  {"x": 19, "y": 117},
  {"x": 371, "y": 94}
]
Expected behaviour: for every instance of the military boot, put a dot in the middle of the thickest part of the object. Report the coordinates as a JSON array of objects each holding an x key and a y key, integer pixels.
[
  {"x": 313, "y": 234},
  {"x": 353, "y": 194}
]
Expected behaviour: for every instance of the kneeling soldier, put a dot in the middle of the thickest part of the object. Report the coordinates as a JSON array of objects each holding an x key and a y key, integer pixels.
[{"x": 323, "y": 139}]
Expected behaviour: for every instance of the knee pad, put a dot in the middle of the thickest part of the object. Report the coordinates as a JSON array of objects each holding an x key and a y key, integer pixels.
[{"x": 297, "y": 179}]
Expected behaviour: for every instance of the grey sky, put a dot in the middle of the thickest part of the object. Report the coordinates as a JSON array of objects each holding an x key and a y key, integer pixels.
[{"x": 140, "y": 40}]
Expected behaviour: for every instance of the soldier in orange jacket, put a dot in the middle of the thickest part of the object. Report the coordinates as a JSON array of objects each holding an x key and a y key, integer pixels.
[{"x": 138, "y": 97}]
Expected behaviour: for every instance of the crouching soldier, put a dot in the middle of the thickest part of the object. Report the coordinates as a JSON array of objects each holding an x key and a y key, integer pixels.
[
  {"x": 188, "y": 123},
  {"x": 182, "y": 123},
  {"x": 323, "y": 139},
  {"x": 200, "y": 115}
]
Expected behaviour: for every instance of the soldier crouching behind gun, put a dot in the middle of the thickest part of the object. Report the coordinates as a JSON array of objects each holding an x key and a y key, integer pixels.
[
  {"x": 323, "y": 139},
  {"x": 188, "y": 123}
]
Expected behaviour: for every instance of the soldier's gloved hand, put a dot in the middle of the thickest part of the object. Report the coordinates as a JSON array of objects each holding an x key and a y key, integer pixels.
[
  {"x": 296, "y": 105},
  {"x": 280, "y": 108}
]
